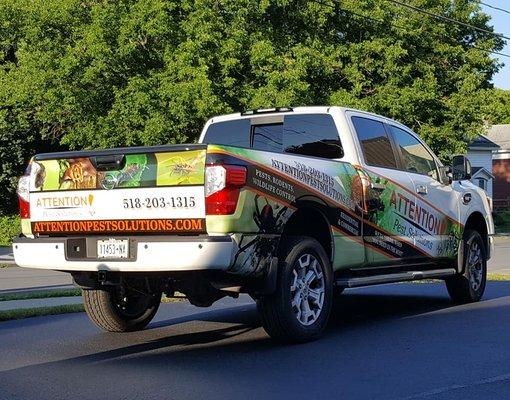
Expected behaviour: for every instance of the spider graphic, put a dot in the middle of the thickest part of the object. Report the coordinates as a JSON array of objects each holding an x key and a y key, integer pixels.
[{"x": 259, "y": 251}]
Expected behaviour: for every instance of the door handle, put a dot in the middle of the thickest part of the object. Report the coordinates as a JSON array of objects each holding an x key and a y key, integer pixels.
[
  {"x": 377, "y": 186},
  {"x": 421, "y": 189}
]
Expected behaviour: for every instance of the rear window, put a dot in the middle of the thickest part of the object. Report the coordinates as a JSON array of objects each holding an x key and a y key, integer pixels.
[
  {"x": 306, "y": 134},
  {"x": 375, "y": 143},
  {"x": 311, "y": 135},
  {"x": 268, "y": 137},
  {"x": 229, "y": 133}
]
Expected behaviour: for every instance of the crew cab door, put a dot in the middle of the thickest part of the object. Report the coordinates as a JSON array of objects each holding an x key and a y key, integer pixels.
[
  {"x": 390, "y": 190},
  {"x": 433, "y": 219}
]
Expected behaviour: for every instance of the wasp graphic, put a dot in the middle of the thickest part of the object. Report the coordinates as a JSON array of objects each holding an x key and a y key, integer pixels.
[{"x": 183, "y": 168}]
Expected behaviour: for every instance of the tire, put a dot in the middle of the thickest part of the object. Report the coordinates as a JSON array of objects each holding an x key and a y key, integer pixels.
[
  {"x": 469, "y": 286},
  {"x": 109, "y": 312},
  {"x": 282, "y": 314}
]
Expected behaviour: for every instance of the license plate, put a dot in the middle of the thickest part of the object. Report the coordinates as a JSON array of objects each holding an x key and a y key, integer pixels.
[{"x": 113, "y": 248}]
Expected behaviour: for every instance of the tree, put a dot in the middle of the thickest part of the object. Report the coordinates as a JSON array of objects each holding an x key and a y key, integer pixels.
[
  {"x": 97, "y": 73},
  {"x": 498, "y": 106}
]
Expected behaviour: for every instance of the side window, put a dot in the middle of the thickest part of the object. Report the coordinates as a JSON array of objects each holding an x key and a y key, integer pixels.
[
  {"x": 415, "y": 155},
  {"x": 375, "y": 143},
  {"x": 229, "y": 133},
  {"x": 311, "y": 135},
  {"x": 267, "y": 137}
]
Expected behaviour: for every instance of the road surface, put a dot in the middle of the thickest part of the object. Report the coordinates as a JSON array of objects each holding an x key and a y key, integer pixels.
[{"x": 401, "y": 341}]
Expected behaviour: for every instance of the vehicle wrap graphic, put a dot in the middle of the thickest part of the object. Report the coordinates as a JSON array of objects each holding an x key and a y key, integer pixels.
[
  {"x": 411, "y": 220},
  {"x": 73, "y": 196},
  {"x": 391, "y": 223},
  {"x": 139, "y": 170}
]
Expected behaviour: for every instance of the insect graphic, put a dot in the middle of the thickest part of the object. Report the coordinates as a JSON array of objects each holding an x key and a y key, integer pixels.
[
  {"x": 183, "y": 168},
  {"x": 111, "y": 181},
  {"x": 259, "y": 251}
]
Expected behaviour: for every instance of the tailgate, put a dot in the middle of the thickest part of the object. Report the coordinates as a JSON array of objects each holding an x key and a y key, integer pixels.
[{"x": 130, "y": 190}]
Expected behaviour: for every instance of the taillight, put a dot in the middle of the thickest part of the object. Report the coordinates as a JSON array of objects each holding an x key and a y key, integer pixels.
[
  {"x": 222, "y": 186},
  {"x": 24, "y": 196}
]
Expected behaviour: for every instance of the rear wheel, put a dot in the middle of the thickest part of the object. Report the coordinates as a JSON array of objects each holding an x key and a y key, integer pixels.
[
  {"x": 299, "y": 309},
  {"x": 469, "y": 286},
  {"x": 120, "y": 310}
]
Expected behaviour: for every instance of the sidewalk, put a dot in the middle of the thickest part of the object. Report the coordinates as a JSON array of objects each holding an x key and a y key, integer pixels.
[
  {"x": 38, "y": 303},
  {"x": 15, "y": 279}
]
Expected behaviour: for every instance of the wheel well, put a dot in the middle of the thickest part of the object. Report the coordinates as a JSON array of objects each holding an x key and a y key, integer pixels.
[
  {"x": 476, "y": 222},
  {"x": 310, "y": 222}
]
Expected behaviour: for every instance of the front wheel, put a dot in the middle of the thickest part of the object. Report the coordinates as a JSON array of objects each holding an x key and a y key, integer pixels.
[
  {"x": 299, "y": 309},
  {"x": 469, "y": 286},
  {"x": 120, "y": 310}
]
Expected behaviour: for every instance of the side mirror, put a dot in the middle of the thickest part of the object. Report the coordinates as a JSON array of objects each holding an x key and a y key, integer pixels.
[{"x": 461, "y": 168}]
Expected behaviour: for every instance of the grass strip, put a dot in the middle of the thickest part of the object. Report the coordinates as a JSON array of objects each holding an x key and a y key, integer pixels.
[
  {"x": 40, "y": 311},
  {"x": 498, "y": 277},
  {"x": 6, "y": 265},
  {"x": 46, "y": 294}
]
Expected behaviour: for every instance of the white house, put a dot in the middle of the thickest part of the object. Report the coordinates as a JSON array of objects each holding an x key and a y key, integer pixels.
[{"x": 480, "y": 155}]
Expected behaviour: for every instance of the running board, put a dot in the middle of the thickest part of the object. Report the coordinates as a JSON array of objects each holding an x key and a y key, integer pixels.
[{"x": 392, "y": 278}]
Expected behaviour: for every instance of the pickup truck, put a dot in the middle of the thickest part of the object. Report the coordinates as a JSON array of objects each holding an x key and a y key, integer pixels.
[{"x": 290, "y": 206}]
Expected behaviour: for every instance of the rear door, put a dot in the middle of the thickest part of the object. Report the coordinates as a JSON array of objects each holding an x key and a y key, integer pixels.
[
  {"x": 389, "y": 195},
  {"x": 434, "y": 218}
]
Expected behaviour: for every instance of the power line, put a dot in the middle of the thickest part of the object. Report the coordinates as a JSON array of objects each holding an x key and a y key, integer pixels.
[
  {"x": 448, "y": 19},
  {"x": 495, "y": 8},
  {"x": 453, "y": 40}
]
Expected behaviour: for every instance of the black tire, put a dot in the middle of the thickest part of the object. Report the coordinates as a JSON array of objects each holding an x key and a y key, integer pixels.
[
  {"x": 110, "y": 313},
  {"x": 469, "y": 286},
  {"x": 280, "y": 318}
]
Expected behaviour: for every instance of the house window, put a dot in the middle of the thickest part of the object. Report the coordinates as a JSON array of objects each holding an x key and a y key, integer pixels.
[{"x": 482, "y": 183}]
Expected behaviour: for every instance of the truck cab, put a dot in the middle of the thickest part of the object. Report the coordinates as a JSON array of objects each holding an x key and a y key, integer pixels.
[{"x": 291, "y": 206}]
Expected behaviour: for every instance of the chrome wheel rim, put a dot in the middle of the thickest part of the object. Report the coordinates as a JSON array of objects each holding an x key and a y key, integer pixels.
[
  {"x": 307, "y": 289},
  {"x": 475, "y": 266}
]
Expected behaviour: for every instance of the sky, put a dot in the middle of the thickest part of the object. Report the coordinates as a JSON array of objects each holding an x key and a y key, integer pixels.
[{"x": 501, "y": 22}]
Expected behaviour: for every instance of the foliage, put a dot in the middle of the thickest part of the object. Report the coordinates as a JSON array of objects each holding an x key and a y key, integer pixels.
[
  {"x": 502, "y": 221},
  {"x": 9, "y": 228},
  {"x": 498, "y": 107},
  {"x": 100, "y": 73}
]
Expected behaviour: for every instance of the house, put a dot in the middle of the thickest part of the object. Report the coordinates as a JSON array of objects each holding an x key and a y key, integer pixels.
[
  {"x": 480, "y": 153},
  {"x": 500, "y": 134}
]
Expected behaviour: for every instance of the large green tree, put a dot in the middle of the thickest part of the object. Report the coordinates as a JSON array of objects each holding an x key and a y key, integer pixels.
[{"x": 96, "y": 73}]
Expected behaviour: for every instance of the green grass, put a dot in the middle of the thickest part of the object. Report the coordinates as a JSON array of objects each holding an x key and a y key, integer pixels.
[
  {"x": 6, "y": 265},
  {"x": 498, "y": 277},
  {"x": 41, "y": 295},
  {"x": 40, "y": 311}
]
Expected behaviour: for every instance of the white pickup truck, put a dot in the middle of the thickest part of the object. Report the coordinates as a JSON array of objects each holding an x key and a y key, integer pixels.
[{"x": 288, "y": 205}]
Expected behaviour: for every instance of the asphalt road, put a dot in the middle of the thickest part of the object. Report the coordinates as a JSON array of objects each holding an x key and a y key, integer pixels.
[{"x": 402, "y": 341}]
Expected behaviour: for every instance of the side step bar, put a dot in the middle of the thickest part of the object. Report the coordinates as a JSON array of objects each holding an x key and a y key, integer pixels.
[{"x": 392, "y": 278}]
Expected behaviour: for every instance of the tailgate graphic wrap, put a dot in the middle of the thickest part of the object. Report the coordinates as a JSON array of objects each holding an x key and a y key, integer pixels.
[{"x": 72, "y": 196}]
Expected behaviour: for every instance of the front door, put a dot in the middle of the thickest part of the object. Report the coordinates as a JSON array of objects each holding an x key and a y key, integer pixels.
[
  {"x": 389, "y": 196},
  {"x": 434, "y": 217}
]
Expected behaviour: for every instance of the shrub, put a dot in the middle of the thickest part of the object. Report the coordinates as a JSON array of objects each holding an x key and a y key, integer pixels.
[{"x": 9, "y": 227}]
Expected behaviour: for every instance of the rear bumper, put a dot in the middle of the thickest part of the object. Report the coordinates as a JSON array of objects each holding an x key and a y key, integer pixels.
[{"x": 150, "y": 254}]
